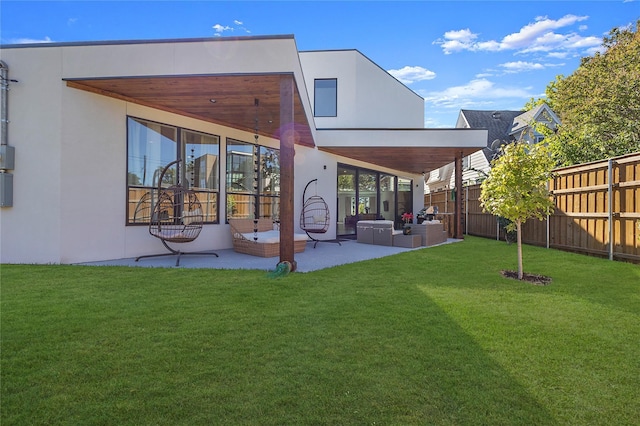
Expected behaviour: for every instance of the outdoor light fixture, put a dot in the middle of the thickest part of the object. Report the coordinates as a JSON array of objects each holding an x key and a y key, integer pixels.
[{"x": 213, "y": 101}]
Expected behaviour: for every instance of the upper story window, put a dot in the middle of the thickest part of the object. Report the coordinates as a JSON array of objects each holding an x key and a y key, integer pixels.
[
  {"x": 325, "y": 97},
  {"x": 466, "y": 162}
]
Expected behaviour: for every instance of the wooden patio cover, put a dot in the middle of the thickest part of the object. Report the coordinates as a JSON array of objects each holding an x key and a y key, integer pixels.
[{"x": 229, "y": 100}]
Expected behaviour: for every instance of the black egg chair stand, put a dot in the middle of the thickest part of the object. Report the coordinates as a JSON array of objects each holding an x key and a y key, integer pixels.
[
  {"x": 175, "y": 216},
  {"x": 314, "y": 217}
]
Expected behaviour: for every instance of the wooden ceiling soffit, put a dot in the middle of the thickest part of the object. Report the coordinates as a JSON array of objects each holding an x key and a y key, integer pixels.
[
  {"x": 413, "y": 160},
  {"x": 227, "y": 100}
]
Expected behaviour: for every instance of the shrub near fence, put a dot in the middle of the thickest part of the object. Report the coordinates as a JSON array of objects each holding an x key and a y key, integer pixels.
[{"x": 597, "y": 211}]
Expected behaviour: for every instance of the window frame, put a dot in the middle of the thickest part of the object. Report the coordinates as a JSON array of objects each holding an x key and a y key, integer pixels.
[
  {"x": 394, "y": 209},
  {"x": 257, "y": 198},
  {"x": 180, "y": 151},
  {"x": 321, "y": 103}
]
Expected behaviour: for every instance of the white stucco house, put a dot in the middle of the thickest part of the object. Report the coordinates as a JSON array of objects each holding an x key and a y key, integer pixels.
[
  {"x": 503, "y": 126},
  {"x": 88, "y": 126}
]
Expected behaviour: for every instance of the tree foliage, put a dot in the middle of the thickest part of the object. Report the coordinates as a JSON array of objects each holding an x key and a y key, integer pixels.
[
  {"x": 599, "y": 104},
  {"x": 516, "y": 188}
]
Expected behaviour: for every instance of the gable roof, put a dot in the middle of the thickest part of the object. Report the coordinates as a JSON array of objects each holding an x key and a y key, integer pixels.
[
  {"x": 497, "y": 122},
  {"x": 525, "y": 119}
]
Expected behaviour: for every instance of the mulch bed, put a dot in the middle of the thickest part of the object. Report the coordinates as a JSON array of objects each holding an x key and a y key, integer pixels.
[{"x": 529, "y": 278}]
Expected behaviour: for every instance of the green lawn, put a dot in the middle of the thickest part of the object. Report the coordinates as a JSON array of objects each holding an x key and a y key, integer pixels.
[{"x": 433, "y": 336}]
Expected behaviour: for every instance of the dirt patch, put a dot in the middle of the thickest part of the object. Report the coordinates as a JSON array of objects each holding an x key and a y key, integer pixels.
[{"x": 529, "y": 278}]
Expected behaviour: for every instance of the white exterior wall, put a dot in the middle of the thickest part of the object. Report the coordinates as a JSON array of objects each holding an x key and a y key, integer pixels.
[
  {"x": 368, "y": 96},
  {"x": 70, "y": 174},
  {"x": 30, "y": 230},
  {"x": 477, "y": 161},
  {"x": 70, "y": 185}
]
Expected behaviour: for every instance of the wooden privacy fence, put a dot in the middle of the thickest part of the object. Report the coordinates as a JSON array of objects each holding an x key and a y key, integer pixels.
[
  {"x": 445, "y": 202},
  {"x": 597, "y": 211}
]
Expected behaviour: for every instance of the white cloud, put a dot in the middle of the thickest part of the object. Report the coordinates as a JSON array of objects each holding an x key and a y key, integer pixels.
[
  {"x": 521, "y": 66},
  {"x": 464, "y": 36},
  {"x": 558, "y": 55},
  {"x": 30, "y": 40},
  {"x": 433, "y": 123},
  {"x": 219, "y": 29},
  {"x": 408, "y": 75},
  {"x": 455, "y": 41},
  {"x": 539, "y": 36},
  {"x": 541, "y": 29},
  {"x": 477, "y": 92}
]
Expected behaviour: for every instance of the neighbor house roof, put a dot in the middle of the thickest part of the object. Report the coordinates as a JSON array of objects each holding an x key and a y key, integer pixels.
[
  {"x": 525, "y": 119},
  {"x": 498, "y": 124}
]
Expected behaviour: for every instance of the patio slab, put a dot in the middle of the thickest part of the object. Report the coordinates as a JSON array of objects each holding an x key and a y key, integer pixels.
[{"x": 325, "y": 255}]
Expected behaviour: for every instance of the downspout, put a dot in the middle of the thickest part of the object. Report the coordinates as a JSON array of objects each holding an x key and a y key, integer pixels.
[
  {"x": 4, "y": 103},
  {"x": 7, "y": 153}
]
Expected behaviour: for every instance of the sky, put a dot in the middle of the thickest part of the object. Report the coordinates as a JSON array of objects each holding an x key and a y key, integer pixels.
[{"x": 482, "y": 55}]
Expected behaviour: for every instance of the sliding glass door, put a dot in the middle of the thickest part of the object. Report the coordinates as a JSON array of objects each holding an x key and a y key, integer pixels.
[
  {"x": 369, "y": 195},
  {"x": 387, "y": 197},
  {"x": 346, "y": 217}
]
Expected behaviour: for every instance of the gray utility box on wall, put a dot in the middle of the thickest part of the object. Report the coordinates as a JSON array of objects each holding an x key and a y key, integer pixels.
[
  {"x": 7, "y": 157},
  {"x": 7, "y": 162},
  {"x": 6, "y": 190}
]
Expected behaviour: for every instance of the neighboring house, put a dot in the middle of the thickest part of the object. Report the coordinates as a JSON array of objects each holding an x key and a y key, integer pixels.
[
  {"x": 502, "y": 127},
  {"x": 90, "y": 125}
]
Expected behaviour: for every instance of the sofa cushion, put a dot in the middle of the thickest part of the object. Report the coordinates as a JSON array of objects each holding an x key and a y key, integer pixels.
[{"x": 270, "y": 237}]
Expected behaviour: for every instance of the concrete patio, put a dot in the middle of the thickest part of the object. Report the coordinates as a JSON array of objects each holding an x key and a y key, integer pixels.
[{"x": 325, "y": 255}]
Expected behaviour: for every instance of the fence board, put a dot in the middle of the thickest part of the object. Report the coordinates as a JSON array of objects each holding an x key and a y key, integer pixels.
[{"x": 581, "y": 221}]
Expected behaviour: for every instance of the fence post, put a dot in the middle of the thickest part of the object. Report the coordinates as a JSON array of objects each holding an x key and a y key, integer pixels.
[
  {"x": 610, "y": 195},
  {"x": 466, "y": 210},
  {"x": 548, "y": 217},
  {"x": 447, "y": 194}
]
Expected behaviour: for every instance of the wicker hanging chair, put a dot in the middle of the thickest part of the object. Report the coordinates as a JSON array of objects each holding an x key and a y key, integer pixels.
[
  {"x": 176, "y": 216},
  {"x": 315, "y": 217}
]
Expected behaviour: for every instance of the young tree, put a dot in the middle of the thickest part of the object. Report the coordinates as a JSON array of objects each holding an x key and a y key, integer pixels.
[
  {"x": 599, "y": 104},
  {"x": 516, "y": 188}
]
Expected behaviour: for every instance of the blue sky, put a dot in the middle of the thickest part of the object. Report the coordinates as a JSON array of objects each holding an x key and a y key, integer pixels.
[{"x": 455, "y": 54}]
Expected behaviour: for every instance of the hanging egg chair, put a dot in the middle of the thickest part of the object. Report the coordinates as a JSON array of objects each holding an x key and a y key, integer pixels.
[
  {"x": 176, "y": 216},
  {"x": 315, "y": 217}
]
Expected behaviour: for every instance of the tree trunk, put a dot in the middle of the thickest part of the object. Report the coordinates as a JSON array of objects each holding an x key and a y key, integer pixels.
[{"x": 519, "y": 232}]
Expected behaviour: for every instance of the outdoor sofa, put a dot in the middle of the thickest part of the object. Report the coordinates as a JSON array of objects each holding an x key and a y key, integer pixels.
[
  {"x": 258, "y": 238},
  {"x": 431, "y": 231},
  {"x": 378, "y": 232},
  {"x": 381, "y": 232}
]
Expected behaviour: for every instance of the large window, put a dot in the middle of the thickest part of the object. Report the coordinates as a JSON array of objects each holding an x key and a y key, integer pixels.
[
  {"x": 325, "y": 97},
  {"x": 151, "y": 146},
  {"x": 405, "y": 197},
  {"x": 369, "y": 195},
  {"x": 252, "y": 181}
]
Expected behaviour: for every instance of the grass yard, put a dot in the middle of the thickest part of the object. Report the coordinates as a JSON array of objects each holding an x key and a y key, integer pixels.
[{"x": 434, "y": 336}]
